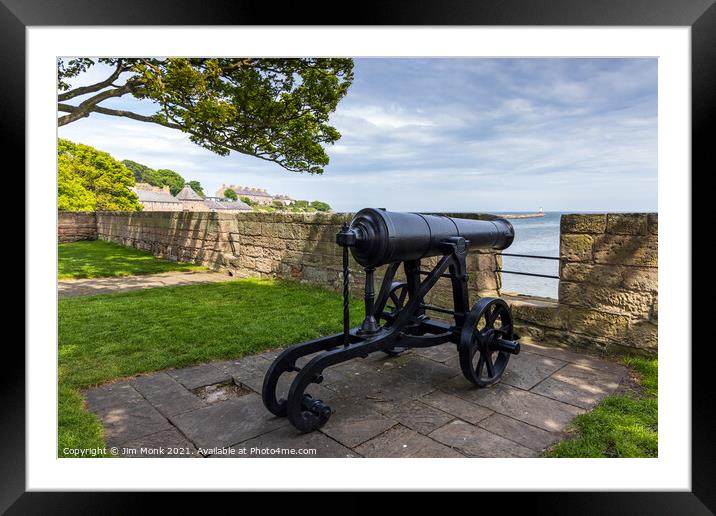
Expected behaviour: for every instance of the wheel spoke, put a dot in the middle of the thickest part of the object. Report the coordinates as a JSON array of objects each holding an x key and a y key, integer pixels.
[
  {"x": 403, "y": 294},
  {"x": 490, "y": 316},
  {"x": 394, "y": 298},
  {"x": 480, "y": 365},
  {"x": 490, "y": 365}
]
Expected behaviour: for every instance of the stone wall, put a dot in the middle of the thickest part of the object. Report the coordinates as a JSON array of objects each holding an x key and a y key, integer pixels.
[
  {"x": 294, "y": 246},
  {"x": 76, "y": 225},
  {"x": 608, "y": 290},
  {"x": 608, "y": 294}
]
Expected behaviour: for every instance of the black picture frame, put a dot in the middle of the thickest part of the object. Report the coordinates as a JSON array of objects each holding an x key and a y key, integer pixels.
[{"x": 699, "y": 15}]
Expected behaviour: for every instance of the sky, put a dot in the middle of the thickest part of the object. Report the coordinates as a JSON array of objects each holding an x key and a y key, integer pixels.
[{"x": 445, "y": 134}]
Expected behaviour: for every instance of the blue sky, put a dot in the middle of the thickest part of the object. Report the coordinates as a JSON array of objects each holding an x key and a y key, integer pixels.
[{"x": 446, "y": 135}]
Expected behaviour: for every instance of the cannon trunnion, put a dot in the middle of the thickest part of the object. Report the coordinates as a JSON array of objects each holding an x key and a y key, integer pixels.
[{"x": 396, "y": 319}]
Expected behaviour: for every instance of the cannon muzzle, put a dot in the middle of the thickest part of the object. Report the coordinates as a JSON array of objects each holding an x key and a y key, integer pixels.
[{"x": 383, "y": 237}]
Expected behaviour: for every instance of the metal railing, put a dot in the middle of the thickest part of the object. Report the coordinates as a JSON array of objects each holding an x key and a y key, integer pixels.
[{"x": 529, "y": 273}]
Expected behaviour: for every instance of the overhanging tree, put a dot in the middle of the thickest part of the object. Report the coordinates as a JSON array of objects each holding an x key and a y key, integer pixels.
[{"x": 273, "y": 109}]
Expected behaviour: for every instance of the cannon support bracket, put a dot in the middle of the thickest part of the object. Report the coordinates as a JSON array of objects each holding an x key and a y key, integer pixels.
[{"x": 396, "y": 320}]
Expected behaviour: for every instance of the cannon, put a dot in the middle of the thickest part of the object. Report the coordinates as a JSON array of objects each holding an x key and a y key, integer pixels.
[{"x": 396, "y": 319}]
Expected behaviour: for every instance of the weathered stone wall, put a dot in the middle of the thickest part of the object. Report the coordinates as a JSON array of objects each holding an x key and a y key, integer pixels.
[
  {"x": 300, "y": 247},
  {"x": 608, "y": 290},
  {"x": 608, "y": 294},
  {"x": 76, "y": 225}
]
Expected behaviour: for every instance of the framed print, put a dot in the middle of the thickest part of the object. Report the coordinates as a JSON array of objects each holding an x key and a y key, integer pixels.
[{"x": 410, "y": 159}]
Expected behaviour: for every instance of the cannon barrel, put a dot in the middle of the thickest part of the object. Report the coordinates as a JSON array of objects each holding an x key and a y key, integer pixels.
[{"x": 383, "y": 237}]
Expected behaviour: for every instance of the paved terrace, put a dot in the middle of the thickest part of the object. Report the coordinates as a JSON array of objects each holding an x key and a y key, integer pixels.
[{"x": 415, "y": 405}]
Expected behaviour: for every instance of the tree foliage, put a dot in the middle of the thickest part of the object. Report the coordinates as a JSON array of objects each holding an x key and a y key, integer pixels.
[
  {"x": 276, "y": 109},
  {"x": 89, "y": 179},
  {"x": 230, "y": 194},
  {"x": 162, "y": 177},
  {"x": 173, "y": 180},
  {"x": 142, "y": 173},
  {"x": 320, "y": 206},
  {"x": 196, "y": 186}
]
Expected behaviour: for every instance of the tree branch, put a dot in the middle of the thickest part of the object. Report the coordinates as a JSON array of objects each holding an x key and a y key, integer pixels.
[
  {"x": 88, "y": 105},
  {"x": 93, "y": 87}
]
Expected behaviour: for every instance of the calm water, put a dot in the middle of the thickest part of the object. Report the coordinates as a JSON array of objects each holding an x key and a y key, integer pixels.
[{"x": 538, "y": 236}]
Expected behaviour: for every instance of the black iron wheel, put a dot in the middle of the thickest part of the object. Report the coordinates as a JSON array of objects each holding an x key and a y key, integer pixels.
[
  {"x": 481, "y": 360},
  {"x": 396, "y": 302}
]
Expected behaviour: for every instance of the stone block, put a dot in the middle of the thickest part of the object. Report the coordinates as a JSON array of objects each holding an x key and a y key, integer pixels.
[
  {"x": 354, "y": 423},
  {"x": 548, "y": 315},
  {"x": 380, "y": 391},
  {"x": 168, "y": 444},
  {"x": 582, "y": 223},
  {"x": 486, "y": 262},
  {"x": 199, "y": 376},
  {"x": 441, "y": 353},
  {"x": 641, "y": 278},
  {"x": 528, "y": 369},
  {"x": 627, "y": 223},
  {"x": 643, "y": 334},
  {"x": 125, "y": 414},
  {"x": 166, "y": 394},
  {"x": 606, "y": 275},
  {"x": 600, "y": 324},
  {"x": 529, "y": 332},
  {"x": 486, "y": 280},
  {"x": 653, "y": 223},
  {"x": 284, "y": 443},
  {"x": 420, "y": 417},
  {"x": 228, "y": 423},
  {"x": 571, "y": 293},
  {"x": 423, "y": 369},
  {"x": 477, "y": 442},
  {"x": 528, "y": 407},
  {"x": 401, "y": 442},
  {"x": 579, "y": 385},
  {"x": 626, "y": 250},
  {"x": 527, "y": 435},
  {"x": 576, "y": 248},
  {"x": 577, "y": 341},
  {"x": 457, "y": 407}
]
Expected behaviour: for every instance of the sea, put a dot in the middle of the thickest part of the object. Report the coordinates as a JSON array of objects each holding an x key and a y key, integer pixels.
[{"x": 533, "y": 236}]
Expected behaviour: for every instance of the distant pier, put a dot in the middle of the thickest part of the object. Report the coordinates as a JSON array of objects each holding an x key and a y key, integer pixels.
[{"x": 522, "y": 215}]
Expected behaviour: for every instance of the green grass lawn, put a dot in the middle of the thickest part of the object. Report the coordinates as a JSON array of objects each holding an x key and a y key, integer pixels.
[
  {"x": 622, "y": 425},
  {"x": 99, "y": 259},
  {"x": 112, "y": 336}
]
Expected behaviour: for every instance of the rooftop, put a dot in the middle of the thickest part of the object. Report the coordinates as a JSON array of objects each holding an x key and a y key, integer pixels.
[
  {"x": 188, "y": 194},
  {"x": 154, "y": 196}
]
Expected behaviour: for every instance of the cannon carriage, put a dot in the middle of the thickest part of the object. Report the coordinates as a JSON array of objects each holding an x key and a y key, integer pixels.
[{"x": 396, "y": 319}]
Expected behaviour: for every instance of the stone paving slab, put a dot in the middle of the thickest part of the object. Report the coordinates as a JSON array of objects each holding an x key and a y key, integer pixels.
[
  {"x": 164, "y": 444},
  {"x": 528, "y": 369},
  {"x": 420, "y": 417},
  {"x": 353, "y": 423},
  {"x": 456, "y": 406},
  {"x": 95, "y": 286},
  {"x": 474, "y": 441},
  {"x": 227, "y": 423},
  {"x": 280, "y": 442},
  {"x": 199, "y": 376},
  {"x": 125, "y": 413},
  {"x": 402, "y": 442},
  {"x": 414, "y": 405},
  {"x": 166, "y": 394},
  {"x": 527, "y": 435}
]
